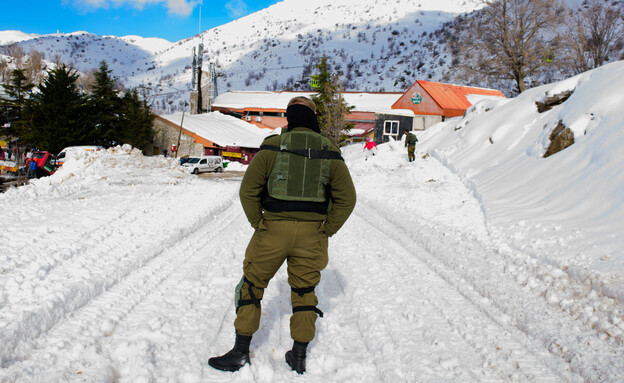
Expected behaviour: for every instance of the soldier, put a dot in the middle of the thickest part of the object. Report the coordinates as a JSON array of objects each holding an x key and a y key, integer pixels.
[
  {"x": 410, "y": 143},
  {"x": 296, "y": 192}
]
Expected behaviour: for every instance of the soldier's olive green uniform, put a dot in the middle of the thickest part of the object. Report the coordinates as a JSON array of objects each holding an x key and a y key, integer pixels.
[
  {"x": 410, "y": 142},
  {"x": 298, "y": 237}
]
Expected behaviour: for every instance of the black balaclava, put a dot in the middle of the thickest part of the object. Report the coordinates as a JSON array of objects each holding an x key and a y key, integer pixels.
[{"x": 299, "y": 116}]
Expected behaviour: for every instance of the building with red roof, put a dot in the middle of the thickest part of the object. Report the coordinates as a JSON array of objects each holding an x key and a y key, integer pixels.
[{"x": 433, "y": 102}]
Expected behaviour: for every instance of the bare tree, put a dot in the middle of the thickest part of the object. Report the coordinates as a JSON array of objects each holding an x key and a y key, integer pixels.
[
  {"x": 57, "y": 60},
  {"x": 16, "y": 52},
  {"x": 4, "y": 71},
  {"x": 35, "y": 66},
  {"x": 593, "y": 32},
  {"x": 507, "y": 39},
  {"x": 86, "y": 79}
]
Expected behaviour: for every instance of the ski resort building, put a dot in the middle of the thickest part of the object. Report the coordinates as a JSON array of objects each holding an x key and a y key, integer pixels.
[
  {"x": 433, "y": 102},
  {"x": 207, "y": 134},
  {"x": 381, "y": 116},
  {"x": 268, "y": 109}
]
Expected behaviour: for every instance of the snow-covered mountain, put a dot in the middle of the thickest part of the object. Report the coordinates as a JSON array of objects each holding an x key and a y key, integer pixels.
[
  {"x": 375, "y": 45},
  {"x": 381, "y": 45},
  {"x": 7, "y": 37}
]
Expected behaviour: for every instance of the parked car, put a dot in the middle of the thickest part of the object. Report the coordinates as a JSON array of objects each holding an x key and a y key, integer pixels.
[
  {"x": 204, "y": 164},
  {"x": 184, "y": 160},
  {"x": 71, "y": 151}
]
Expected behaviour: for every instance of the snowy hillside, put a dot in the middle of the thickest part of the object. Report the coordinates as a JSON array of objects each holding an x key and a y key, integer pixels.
[
  {"x": 7, "y": 37},
  {"x": 565, "y": 209},
  {"x": 275, "y": 43},
  {"x": 127, "y": 56},
  {"x": 376, "y": 44}
]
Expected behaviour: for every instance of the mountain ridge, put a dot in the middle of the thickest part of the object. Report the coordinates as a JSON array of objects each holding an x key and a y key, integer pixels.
[{"x": 382, "y": 45}]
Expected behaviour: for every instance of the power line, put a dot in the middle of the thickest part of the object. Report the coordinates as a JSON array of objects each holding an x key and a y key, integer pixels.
[
  {"x": 262, "y": 69},
  {"x": 227, "y": 71}
]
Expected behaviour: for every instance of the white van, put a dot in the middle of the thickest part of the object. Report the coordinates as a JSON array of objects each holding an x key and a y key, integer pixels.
[
  {"x": 204, "y": 164},
  {"x": 70, "y": 152}
]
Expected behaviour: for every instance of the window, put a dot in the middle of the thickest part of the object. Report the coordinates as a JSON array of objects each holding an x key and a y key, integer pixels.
[{"x": 391, "y": 129}]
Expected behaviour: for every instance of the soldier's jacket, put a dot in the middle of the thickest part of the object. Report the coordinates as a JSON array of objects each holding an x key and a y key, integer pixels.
[
  {"x": 410, "y": 139},
  {"x": 340, "y": 184}
]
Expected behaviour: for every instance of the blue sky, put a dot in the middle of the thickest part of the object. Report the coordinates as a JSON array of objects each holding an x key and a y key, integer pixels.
[{"x": 169, "y": 19}]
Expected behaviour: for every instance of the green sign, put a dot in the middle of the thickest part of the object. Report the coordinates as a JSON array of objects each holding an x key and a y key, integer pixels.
[
  {"x": 416, "y": 98},
  {"x": 314, "y": 82}
]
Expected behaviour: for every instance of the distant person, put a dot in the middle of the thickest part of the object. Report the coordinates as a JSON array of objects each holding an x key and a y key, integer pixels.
[
  {"x": 165, "y": 152},
  {"x": 292, "y": 222},
  {"x": 32, "y": 168},
  {"x": 410, "y": 143},
  {"x": 368, "y": 148}
]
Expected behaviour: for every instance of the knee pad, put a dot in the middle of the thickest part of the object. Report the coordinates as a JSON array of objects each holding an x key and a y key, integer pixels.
[
  {"x": 238, "y": 294},
  {"x": 301, "y": 292}
]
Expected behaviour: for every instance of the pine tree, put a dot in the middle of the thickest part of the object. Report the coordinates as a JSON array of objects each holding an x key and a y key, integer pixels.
[
  {"x": 136, "y": 121},
  {"x": 17, "y": 92},
  {"x": 330, "y": 106},
  {"x": 58, "y": 115},
  {"x": 105, "y": 107}
]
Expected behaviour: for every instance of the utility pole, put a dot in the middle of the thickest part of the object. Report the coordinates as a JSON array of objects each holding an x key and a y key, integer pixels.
[
  {"x": 196, "y": 83},
  {"x": 212, "y": 85},
  {"x": 200, "y": 60},
  {"x": 179, "y": 135}
]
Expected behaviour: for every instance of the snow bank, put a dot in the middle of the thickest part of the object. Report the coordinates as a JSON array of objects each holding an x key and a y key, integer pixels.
[
  {"x": 114, "y": 166},
  {"x": 564, "y": 208}
]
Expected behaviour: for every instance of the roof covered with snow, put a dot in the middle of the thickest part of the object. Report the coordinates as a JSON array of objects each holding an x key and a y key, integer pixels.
[
  {"x": 221, "y": 129},
  {"x": 361, "y": 101}
]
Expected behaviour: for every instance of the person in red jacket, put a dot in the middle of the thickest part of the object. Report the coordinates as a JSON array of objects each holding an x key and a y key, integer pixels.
[{"x": 368, "y": 148}]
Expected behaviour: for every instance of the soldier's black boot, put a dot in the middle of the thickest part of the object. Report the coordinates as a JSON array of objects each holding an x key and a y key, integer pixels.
[
  {"x": 297, "y": 356},
  {"x": 236, "y": 358}
]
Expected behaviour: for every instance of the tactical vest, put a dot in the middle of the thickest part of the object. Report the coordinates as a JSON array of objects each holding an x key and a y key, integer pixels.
[{"x": 299, "y": 180}]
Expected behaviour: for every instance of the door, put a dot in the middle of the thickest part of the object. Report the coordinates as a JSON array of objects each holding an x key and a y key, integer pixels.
[
  {"x": 203, "y": 165},
  {"x": 419, "y": 123}
]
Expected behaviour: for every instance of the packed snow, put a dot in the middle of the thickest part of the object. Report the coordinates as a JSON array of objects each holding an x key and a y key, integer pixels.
[{"x": 480, "y": 261}]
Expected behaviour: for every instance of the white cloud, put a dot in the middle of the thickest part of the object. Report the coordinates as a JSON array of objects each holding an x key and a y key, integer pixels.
[
  {"x": 236, "y": 8},
  {"x": 182, "y": 7},
  {"x": 178, "y": 7}
]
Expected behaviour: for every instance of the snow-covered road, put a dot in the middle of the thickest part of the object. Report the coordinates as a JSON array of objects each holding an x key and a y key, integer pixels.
[{"x": 118, "y": 273}]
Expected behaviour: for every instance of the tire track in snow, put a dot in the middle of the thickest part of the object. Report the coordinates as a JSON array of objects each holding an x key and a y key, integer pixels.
[
  {"x": 554, "y": 312},
  {"x": 147, "y": 340},
  {"x": 376, "y": 329},
  {"x": 98, "y": 316},
  {"x": 41, "y": 308},
  {"x": 360, "y": 333},
  {"x": 503, "y": 348}
]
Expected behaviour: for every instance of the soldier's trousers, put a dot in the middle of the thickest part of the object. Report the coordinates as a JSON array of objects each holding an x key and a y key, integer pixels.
[
  {"x": 303, "y": 245},
  {"x": 410, "y": 152}
]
